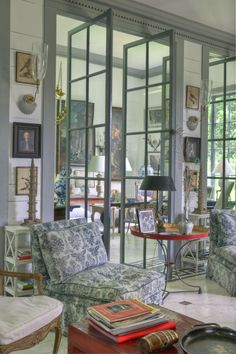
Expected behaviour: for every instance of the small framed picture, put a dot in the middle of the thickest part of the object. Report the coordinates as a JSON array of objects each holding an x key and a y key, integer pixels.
[
  {"x": 192, "y": 97},
  {"x": 26, "y": 140},
  {"x": 23, "y": 180},
  {"x": 24, "y": 68},
  {"x": 192, "y": 150},
  {"x": 146, "y": 219},
  {"x": 154, "y": 117}
]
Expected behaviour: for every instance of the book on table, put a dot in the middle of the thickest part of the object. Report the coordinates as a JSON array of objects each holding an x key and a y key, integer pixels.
[
  {"x": 125, "y": 319},
  {"x": 120, "y": 310},
  {"x": 137, "y": 334}
]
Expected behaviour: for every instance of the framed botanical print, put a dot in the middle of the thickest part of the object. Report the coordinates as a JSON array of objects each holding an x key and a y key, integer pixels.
[
  {"x": 23, "y": 180},
  {"x": 24, "y": 68},
  {"x": 192, "y": 97}
]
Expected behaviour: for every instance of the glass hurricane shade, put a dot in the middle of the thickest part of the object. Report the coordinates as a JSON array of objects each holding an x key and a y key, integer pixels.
[{"x": 39, "y": 60}]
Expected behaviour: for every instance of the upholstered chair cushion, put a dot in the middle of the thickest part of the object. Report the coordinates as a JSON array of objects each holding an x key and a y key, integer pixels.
[
  {"x": 38, "y": 231},
  {"x": 70, "y": 251},
  {"x": 227, "y": 229},
  {"x": 21, "y": 316}
]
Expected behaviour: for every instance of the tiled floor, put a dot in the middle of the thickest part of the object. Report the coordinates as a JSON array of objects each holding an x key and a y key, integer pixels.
[{"x": 214, "y": 305}]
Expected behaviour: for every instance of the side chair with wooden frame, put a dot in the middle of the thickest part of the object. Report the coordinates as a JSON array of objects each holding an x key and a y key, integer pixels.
[{"x": 26, "y": 321}]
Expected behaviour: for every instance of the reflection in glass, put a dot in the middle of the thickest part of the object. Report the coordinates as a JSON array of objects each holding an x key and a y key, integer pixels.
[
  {"x": 135, "y": 143},
  {"x": 136, "y": 66},
  {"x": 97, "y": 86},
  {"x": 157, "y": 53},
  {"x": 78, "y": 54},
  {"x": 97, "y": 48},
  {"x": 135, "y": 111}
]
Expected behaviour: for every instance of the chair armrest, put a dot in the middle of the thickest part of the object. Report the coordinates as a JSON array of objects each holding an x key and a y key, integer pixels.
[{"x": 36, "y": 276}]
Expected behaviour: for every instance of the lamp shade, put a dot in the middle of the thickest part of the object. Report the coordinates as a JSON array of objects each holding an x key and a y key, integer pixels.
[
  {"x": 128, "y": 167},
  {"x": 157, "y": 183},
  {"x": 219, "y": 168},
  {"x": 97, "y": 164}
]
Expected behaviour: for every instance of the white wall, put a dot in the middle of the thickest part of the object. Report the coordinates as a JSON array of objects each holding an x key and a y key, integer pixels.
[
  {"x": 192, "y": 76},
  {"x": 26, "y": 28}
]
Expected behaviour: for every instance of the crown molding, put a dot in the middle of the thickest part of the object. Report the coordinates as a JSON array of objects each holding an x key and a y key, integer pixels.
[{"x": 151, "y": 20}]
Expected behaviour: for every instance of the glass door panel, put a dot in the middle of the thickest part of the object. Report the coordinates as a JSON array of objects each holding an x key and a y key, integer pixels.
[
  {"x": 89, "y": 107},
  {"x": 135, "y": 108},
  {"x": 147, "y": 96}
]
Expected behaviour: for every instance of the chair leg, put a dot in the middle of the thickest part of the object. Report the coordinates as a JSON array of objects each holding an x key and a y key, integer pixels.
[{"x": 58, "y": 336}]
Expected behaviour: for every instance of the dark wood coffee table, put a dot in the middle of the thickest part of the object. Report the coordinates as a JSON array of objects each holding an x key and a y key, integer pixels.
[{"x": 85, "y": 340}]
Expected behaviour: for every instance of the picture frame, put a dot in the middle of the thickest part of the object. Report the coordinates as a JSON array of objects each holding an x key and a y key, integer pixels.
[
  {"x": 192, "y": 149},
  {"x": 77, "y": 137},
  {"x": 146, "y": 220},
  {"x": 154, "y": 162},
  {"x": 192, "y": 97},
  {"x": 26, "y": 140},
  {"x": 24, "y": 68},
  {"x": 116, "y": 144},
  {"x": 23, "y": 178},
  {"x": 191, "y": 180},
  {"x": 154, "y": 117}
]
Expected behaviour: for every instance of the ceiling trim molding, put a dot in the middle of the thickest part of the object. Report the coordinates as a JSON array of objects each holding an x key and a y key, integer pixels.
[{"x": 151, "y": 20}]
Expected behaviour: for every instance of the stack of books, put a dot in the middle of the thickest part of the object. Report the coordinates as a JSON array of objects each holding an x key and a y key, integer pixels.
[{"x": 123, "y": 320}]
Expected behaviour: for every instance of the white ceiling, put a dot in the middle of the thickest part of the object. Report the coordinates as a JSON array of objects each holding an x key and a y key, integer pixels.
[{"x": 220, "y": 14}]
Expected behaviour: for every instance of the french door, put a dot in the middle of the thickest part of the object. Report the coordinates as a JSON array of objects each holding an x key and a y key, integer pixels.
[
  {"x": 147, "y": 118},
  {"x": 89, "y": 107},
  {"x": 147, "y": 130}
]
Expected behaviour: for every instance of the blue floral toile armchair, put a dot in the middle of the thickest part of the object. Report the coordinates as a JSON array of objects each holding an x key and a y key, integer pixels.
[
  {"x": 71, "y": 256},
  {"x": 221, "y": 265}
]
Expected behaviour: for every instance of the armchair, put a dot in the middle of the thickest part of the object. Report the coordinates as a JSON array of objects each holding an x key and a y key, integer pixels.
[
  {"x": 221, "y": 265},
  {"x": 72, "y": 257},
  {"x": 26, "y": 321}
]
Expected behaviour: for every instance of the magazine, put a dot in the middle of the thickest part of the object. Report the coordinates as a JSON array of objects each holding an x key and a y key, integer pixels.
[
  {"x": 132, "y": 327},
  {"x": 120, "y": 310}
]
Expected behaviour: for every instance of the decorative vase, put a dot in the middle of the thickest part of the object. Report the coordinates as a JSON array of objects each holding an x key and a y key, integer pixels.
[
  {"x": 185, "y": 227},
  {"x": 141, "y": 171}
]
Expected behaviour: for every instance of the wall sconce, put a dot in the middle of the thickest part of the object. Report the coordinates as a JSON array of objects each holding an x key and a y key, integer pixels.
[{"x": 39, "y": 58}]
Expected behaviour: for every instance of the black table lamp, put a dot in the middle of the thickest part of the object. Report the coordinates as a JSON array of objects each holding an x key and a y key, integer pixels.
[{"x": 157, "y": 183}]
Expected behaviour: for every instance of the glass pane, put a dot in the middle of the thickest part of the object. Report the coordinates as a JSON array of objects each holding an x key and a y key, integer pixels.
[
  {"x": 212, "y": 192},
  {"x": 136, "y": 66},
  {"x": 216, "y": 121},
  {"x": 158, "y": 113},
  {"x": 78, "y": 90},
  {"x": 231, "y": 78},
  {"x": 216, "y": 77},
  {"x": 230, "y": 119},
  {"x": 99, "y": 140},
  {"x": 77, "y": 146},
  {"x": 230, "y": 158},
  {"x": 78, "y": 54},
  {"x": 97, "y": 48},
  {"x": 134, "y": 251},
  {"x": 159, "y": 52},
  {"x": 135, "y": 119},
  {"x": 76, "y": 202},
  {"x": 215, "y": 157},
  {"x": 97, "y": 97},
  {"x": 133, "y": 143}
]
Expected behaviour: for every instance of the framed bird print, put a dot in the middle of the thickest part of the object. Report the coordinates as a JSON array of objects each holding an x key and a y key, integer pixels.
[
  {"x": 192, "y": 97},
  {"x": 24, "y": 68}
]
